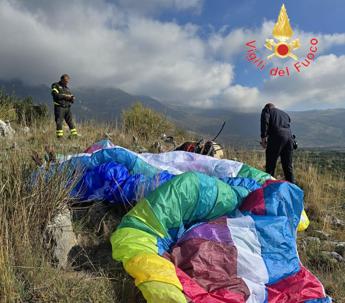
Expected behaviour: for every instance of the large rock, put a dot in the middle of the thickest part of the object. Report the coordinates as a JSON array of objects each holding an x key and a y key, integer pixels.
[
  {"x": 61, "y": 237},
  {"x": 337, "y": 223},
  {"x": 5, "y": 129},
  {"x": 332, "y": 256},
  {"x": 340, "y": 249},
  {"x": 329, "y": 245}
]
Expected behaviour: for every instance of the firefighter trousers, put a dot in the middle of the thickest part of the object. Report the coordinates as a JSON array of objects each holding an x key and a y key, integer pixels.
[
  {"x": 280, "y": 146},
  {"x": 63, "y": 114}
]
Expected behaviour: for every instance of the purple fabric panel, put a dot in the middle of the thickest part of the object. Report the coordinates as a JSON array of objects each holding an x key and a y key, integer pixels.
[{"x": 216, "y": 231}]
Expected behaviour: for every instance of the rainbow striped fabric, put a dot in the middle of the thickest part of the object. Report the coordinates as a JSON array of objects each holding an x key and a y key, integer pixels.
[{"x": 213, "y": 231}]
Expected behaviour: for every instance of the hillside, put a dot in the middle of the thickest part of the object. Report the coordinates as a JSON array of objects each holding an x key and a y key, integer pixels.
[
  {"x": 314, "y": 129},
  {"x": 28, "y": 272}
]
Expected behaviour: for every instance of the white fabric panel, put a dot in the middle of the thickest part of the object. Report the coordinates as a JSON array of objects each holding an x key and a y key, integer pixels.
[
  {"x": 250, "y": 264},
  {"x": 177, "y": 162}
]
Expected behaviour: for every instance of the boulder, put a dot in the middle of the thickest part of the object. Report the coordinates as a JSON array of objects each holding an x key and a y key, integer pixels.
[
  {"x": 5, "y": 129},
  {"x": 329, "y": 245},
  {"x": 61, "y": 238},
  {"x": 332, "y": 256},
  {"x": 340, "y": 249},
  {"x": 337, "y": 223},
  {"x": 26, "y": 130}
]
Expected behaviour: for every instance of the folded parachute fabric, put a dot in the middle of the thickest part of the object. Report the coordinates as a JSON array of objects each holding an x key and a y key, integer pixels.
[
  {"x": 175, "y": 162},
  {"x": 117, "y": 175},
  {"x": 197, "y": 239},
  {"x": 113, "y": 183}
]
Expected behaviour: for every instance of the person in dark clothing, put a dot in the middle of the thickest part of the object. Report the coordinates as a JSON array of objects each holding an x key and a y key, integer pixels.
[
  {"x": 276, "y": 138},
  {"x": 63, "y": 100}
]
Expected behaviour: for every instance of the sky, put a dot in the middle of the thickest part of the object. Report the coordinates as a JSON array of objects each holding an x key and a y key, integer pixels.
[{"x": 185, "y": 52}]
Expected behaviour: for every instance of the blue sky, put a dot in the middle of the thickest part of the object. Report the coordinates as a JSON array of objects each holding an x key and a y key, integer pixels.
[
  {"x": 324, "y": 16},
  {"x": 189, "y": 52},
  {"x": 317, "y": 16}
]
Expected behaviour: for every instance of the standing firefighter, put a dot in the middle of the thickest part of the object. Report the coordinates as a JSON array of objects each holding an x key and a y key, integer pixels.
[
  {"x": 63, "y": 100},
  {"x": 276, "y": 138}
]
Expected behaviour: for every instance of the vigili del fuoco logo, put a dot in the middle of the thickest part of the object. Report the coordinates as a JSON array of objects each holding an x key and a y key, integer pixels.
[{"x": 282, "y": 46}]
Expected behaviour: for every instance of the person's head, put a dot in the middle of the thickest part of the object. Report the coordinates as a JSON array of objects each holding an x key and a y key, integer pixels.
[
  {"x": 65, "y": 79},
  {"x": 269, "y": 106}
]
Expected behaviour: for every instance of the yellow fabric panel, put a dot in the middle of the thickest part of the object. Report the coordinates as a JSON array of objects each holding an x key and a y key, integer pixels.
[
  {"x": 127, "y": 242},
  {"x": 304, "y": 222},
  {"x": 155, "y": 292},
  {"x": 152, "y": 267}
]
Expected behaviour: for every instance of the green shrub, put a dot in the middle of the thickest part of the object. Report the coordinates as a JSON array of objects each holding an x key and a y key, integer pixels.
[
  {"x": 27, "y": 113},
  {"x": 22, "y": 111},
  {"x": 145, "y": 122},
  {"x": 7, "y": 110}
]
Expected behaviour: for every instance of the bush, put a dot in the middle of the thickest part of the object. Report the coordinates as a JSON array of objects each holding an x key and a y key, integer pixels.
[
  {"x": 22, "y": 111},
  {"x": 28, "y": 113},
  {"x": 145, "y": 122},
  {"x": 7, "y": 110}
]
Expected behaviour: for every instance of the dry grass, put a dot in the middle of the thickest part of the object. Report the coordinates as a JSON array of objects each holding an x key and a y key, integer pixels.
[{"x": 26, "y": 273}]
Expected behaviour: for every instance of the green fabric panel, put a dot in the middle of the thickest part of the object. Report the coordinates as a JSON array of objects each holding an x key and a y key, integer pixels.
[
  {"x": 188, "y": 198},
  {"x": 175, "y": 201},
  {"x": 260, "y": 176},
  {"x": 142, "y": 167},
  {"x": 155, "y": 223},
  {"x": 228, "y": 199},
  {"x": 133, "y": 222},
  {"x": 143, "y": 212},
  {"x": 129, "y": 242},
  {"x": 208, "y": 191}
]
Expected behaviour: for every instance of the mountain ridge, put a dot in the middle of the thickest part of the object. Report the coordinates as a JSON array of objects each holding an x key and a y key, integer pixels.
[{"x": 313, "y": 128}]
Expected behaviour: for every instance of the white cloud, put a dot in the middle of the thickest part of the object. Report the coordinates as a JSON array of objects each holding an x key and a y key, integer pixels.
[
  {"x": 240, "y": 97},
  {"x": 101, "y": 45},
  {"x": 106, "y": 44},
  {"x": 233, "y": 44},
  {"x": 229, "y": 46},
  {"x": 319, "y": 86}
]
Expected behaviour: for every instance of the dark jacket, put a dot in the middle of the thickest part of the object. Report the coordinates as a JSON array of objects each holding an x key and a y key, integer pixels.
[
  {"x": 61, "y": 95},
  {"x": 275, "y": 122}
]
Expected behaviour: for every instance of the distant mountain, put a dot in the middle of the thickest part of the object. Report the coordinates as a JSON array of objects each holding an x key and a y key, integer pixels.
[
  {"x": 103, "y": 104},
  {"x": 316, "y": 128}
]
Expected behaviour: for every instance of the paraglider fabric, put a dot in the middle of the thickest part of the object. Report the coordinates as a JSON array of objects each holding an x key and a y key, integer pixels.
[
  {"x": 197, "y": 239},
  {"x": 99, "y": 145},
  {"x": 204, "y": 230},
  {"x": 117, "y": 175},
  {"x": 112, "y": 182}
]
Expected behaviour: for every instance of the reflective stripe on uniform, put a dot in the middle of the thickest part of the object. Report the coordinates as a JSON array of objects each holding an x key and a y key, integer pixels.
[
  {"x": 59, "y": 133},
  {"x": 74, "y": 131},
  {"x": 57, "y": 103},
  {"x": 55, "y": 90}
]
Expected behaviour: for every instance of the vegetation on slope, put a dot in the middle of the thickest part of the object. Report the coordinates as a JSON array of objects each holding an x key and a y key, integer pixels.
[{"x": 26, "y": 271}]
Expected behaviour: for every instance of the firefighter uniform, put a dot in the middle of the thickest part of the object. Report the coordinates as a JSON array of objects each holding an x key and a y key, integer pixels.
[
  {"x": 62, "y": 108},
  {"x": 275, "y": 124}
]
